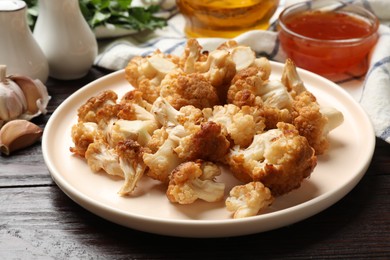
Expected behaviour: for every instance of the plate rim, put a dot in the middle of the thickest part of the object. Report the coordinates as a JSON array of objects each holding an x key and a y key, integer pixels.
[{"x": 191, "y": 225}]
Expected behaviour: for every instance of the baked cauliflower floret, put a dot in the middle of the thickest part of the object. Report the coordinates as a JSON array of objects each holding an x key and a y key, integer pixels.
[
  {"x": 83, "y": 134},
  {"x": 167, "y": 115},
  {"x": 205, "y": 141},
  {"x": 279, "y": 158},
  {"x": 182, "y": 89},
  {"x": 309, "y": 121},
  {"x": 192, "y": 53},
  {"x": 137, "y": 130},
  {"x": 162, "y": 162},
  {"x": 241, "y": 124},
  {"x": 247, "y": 200},
  {"x": 274, "y": 94},
  {"x": 135, "y": 96},
  {"x": 146, "y": 73},
  {"x": 195, "y": 180},
  {"x": 290, "y": 78},
  {"x": 244, "y": 57},
  {"x": 217, "y": 66},
  {"x": 244, "y": 87},
  {"x": 182, "y": 143},
  {"x": 100, "y": 156},
  {"x": 102, "y": 106},
  {"x": 130, "y": 160}
]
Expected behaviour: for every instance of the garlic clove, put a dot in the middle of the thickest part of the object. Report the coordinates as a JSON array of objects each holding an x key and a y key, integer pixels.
[
  {"x": 35, "y": 92},
  {"x": 12, "y": 100},
  {"x": 18, "y": 134}
]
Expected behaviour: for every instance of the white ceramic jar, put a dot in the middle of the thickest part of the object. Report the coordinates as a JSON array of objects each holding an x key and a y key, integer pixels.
[
  {"x": 66, "y": 38},
  {"x": 18, "y": 49}
]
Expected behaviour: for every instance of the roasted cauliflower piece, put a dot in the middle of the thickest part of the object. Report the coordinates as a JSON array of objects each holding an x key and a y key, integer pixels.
[
  {"x": 100, "y": 107},
  {"x": 162, "y": 159},
  {"x": 195, "y": 180},
  {"x": 279, "y": 158},
  {"x": 193, "y": 52},
  {"x": 184, "y": 143},
  {"x": 83, "y": 134},
  {"x": 135, "y": 96},
  {"x": 183, "y": 89},
  {"x": 123, "y": 160},
  {"x": 206, "y": 141},
  {"x": 169, "y": 116},
  {"x": 291, "y": 79},
  {"x": 240, "y": 123},
  {"x": 315, "y": 122},
  {"x": 244, "y": 57},
  {"x": 100, "y": 156},
  {"x": 248, "y": 199},
  {"x": 274, "y": 94},
  {"x": 130, "y": 160},
  {"x": 244, "y": 87},
  {"x": 216, "y": 66},
  {"x": 310, "y": 122},
  {"x": 137, "y": 130},
  {"x": 146, "y": 73}
]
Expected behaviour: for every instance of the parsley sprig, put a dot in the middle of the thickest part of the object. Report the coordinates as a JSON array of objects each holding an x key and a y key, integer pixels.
[{"x": 119, "y": 13}]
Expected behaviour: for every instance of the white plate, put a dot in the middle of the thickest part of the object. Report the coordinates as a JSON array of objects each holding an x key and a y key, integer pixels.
[{"x": 351, "y": 150}]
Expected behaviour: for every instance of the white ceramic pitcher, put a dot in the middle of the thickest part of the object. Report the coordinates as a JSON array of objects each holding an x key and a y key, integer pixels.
[
  {"x": 66, "y": 38},
  {"x": 18, "y": 49}
]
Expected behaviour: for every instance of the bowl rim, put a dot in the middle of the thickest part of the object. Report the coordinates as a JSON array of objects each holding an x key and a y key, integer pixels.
[{"x": 369, "y": 15}]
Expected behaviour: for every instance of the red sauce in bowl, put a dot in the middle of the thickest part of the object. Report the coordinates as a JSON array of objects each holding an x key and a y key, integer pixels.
[
  {"x": 328, "y": 26},
  {"x": 327, "y": 42}
]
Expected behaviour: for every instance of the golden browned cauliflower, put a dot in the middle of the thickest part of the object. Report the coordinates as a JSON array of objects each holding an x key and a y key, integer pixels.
[
  {"x": 291, "y": 79},
  {"x": 195, "y": 180},
  {"x": 183, "y": 89},
  {"x": 184, "y": 143},
  {"x": 137, "y": 130},
  {"x": 100, "y": 107},
  {"x": 244, "y": 57},
  {"x": 167, "y": 115},
  {"x": 123, "y": 160},
  {"x": 83, "y": 134},
  {"x": 135, "y": 96},
  {"x": 205, "y": 141},
  {"x": 218, "y": 68},
  {"x": 130, "y": 161},
  {"x": 240, "y": 123},
  {"x": 279, "y": 158},
  {"x": 310, "y": 122},
  {"x": 162, "y": 159},
  {"x": 244, "y": 87},
  {"x": 146, "y": 73},
  {"x": 248, "y": 199},
  {"x": 193, "y": 52},
  {"x": 100, "y": 156}
]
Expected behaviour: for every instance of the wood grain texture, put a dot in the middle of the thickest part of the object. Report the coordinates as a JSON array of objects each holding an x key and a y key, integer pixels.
[{"x": 38, "y": 221}]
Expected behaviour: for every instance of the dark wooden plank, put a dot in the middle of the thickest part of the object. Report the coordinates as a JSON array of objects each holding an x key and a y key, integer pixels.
[{"x": 44, "y": 222}]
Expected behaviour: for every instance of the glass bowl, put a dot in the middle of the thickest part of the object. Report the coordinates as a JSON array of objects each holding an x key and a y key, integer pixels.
[{"x": 328, "y": 37}]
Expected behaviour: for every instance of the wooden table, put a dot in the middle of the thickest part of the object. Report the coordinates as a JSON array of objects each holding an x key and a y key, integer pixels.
[{"x": 38, "y": 221}]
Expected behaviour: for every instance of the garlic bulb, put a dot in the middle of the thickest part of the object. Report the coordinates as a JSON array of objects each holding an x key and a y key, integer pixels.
[{"x": 21, "y": 97}]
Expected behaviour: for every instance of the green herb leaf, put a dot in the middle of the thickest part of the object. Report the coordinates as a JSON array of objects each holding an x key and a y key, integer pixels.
[{"x": 115, "y": 12}]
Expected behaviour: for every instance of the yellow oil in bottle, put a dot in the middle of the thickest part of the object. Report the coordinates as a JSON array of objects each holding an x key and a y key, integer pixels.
[{"x": 225, "y": 18}]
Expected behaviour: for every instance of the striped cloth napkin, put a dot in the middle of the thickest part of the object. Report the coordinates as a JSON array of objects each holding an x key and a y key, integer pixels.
[{"x": 372, "y": 91}]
